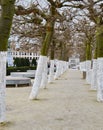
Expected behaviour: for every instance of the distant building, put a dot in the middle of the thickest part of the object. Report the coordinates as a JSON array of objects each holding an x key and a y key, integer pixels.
[{"x": 73, "y": 62}]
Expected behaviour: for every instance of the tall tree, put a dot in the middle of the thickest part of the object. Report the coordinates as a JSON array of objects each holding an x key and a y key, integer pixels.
[
  {"x": 7, "y": 12},
  {"x": 94, "y": 11},
  {"x": 50, "y": 18}
]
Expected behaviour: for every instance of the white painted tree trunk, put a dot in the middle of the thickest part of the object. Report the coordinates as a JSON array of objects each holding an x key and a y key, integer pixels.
[
  {"x": 61, "y": 68},
  {"x": 88, "y": 68},
  {"x": 3, "y": 56},
  {"x": 44, "y": 77},
  {"x": 66, "y": 66},
  {"x": 51, "y": 72},
  {"x": 83, "y": 66},
  {"x": 38, "y": 77},
  {"x": 58, "y": 71},
  {"x": 94, "y": 75},
  {"x": 100, "y": 79}
]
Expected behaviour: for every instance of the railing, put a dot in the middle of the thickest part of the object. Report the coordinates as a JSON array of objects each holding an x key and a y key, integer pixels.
[{"x": 15, "y": 54}]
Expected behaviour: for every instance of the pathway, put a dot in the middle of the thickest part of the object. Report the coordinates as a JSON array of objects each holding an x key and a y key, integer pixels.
[{"x": 67, "y": 104}]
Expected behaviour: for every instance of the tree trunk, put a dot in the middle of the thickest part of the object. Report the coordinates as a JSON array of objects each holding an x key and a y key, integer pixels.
[
  {"x": 59, "y": 65},
  {"x": 7, "y": 12},
  {"x": 100, "y": 63},
  {"x": 51, "y": 72},
  {"x": 58, "y": 69},
  {"x": 38, "y": 76},
  {"x": 44, "y": 76},
  {"x": 42, "y": 60},
  {"x": 94, "y": 75},
  {"x": 48, "y": 38},
  {"x": 52, "y": 68},
  {"x": 88, "y": 51},
  {"x": 61, "y": 51},
  {"x": 64, "y": 58},
  {"x": 52, "y": 50},
  {"x": 94, "y": 71},
  {"x": 2, "y": 85},
  {"x": 88, "y": 63},
  {"x": 6, "y": 22}
]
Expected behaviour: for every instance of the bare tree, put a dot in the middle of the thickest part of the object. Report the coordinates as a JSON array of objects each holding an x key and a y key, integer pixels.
[
  {"x": 6, "y": 16},
  {"x": 51, "y": 15}
]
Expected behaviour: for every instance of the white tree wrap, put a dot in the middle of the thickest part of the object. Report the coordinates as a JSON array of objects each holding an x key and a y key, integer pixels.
[
  {"x": 61, "y": 68},
  {"x": 94, "y": 75},
  {"x": 88, "y": 68},
  {"x": 3, "y": 56},
  {"x": 44, "y": 76},
  {"x": 83, "y": 66},
  {"x": 38, "y": 77},
  {"x": 51, "y": 73},
  {"x": 58, "y": 71},
  {"x": 66, "y": 66},
  {"x": 100, "y": 79}
]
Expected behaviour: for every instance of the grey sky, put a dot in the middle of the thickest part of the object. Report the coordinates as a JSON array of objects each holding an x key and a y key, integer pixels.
[{"x": 43, "y": 3}]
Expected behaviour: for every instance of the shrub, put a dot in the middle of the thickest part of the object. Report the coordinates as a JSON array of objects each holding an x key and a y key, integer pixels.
[
  {"x": 18, "y": 62},
  {"x": 19, "y": 69},
  {"x": 34, "y": 63}
]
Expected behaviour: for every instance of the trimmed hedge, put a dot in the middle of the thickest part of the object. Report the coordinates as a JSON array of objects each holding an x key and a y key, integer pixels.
[
  {"x": 18, "y": 62},
  {"x": 19, "y": 69},
  {"x": 34, "y": 63}
]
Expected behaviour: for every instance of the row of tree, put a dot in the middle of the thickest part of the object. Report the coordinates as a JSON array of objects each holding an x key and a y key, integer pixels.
[{"x": 53, "y": 26}]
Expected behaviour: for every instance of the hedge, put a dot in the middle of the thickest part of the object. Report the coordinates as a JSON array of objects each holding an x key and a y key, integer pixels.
[
  {"x": 18, "y": 62},
  {"x": 19, "y": 69}
]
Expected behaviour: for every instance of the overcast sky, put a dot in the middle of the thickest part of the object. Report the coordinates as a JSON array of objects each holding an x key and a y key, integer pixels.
[{"x": 42, "y": 3}]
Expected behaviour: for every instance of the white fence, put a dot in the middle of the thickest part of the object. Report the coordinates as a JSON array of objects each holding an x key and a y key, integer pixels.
[{"x": 11, "y": 55}]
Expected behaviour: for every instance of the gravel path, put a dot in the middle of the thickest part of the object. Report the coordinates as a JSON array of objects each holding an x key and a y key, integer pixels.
[{"x": 67, "y": 104}]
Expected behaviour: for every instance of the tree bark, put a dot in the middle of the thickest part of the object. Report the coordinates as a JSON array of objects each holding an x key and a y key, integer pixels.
[
  {"x": 88, "y": 63},
  {"x": 51, "y": 72},
  {"x": 42, "y": 61},
  {"x": 94, "y": 71},
  {"x": 38, "y": 77},
  {"x": 7, "y": 12},
  {"x": 44, "y": 76},
  {"x": 94, "y": 75},
  {"x": 2, "y": 85},
  {"x": 100, "y": 63},
  {"x": 48, "y": 38},
  {"x": 58, "y": 69},
  {"x": 6, "y": 22},
  {"x": 52, "y": 68},
  {"x": 88, "y": 51}
]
